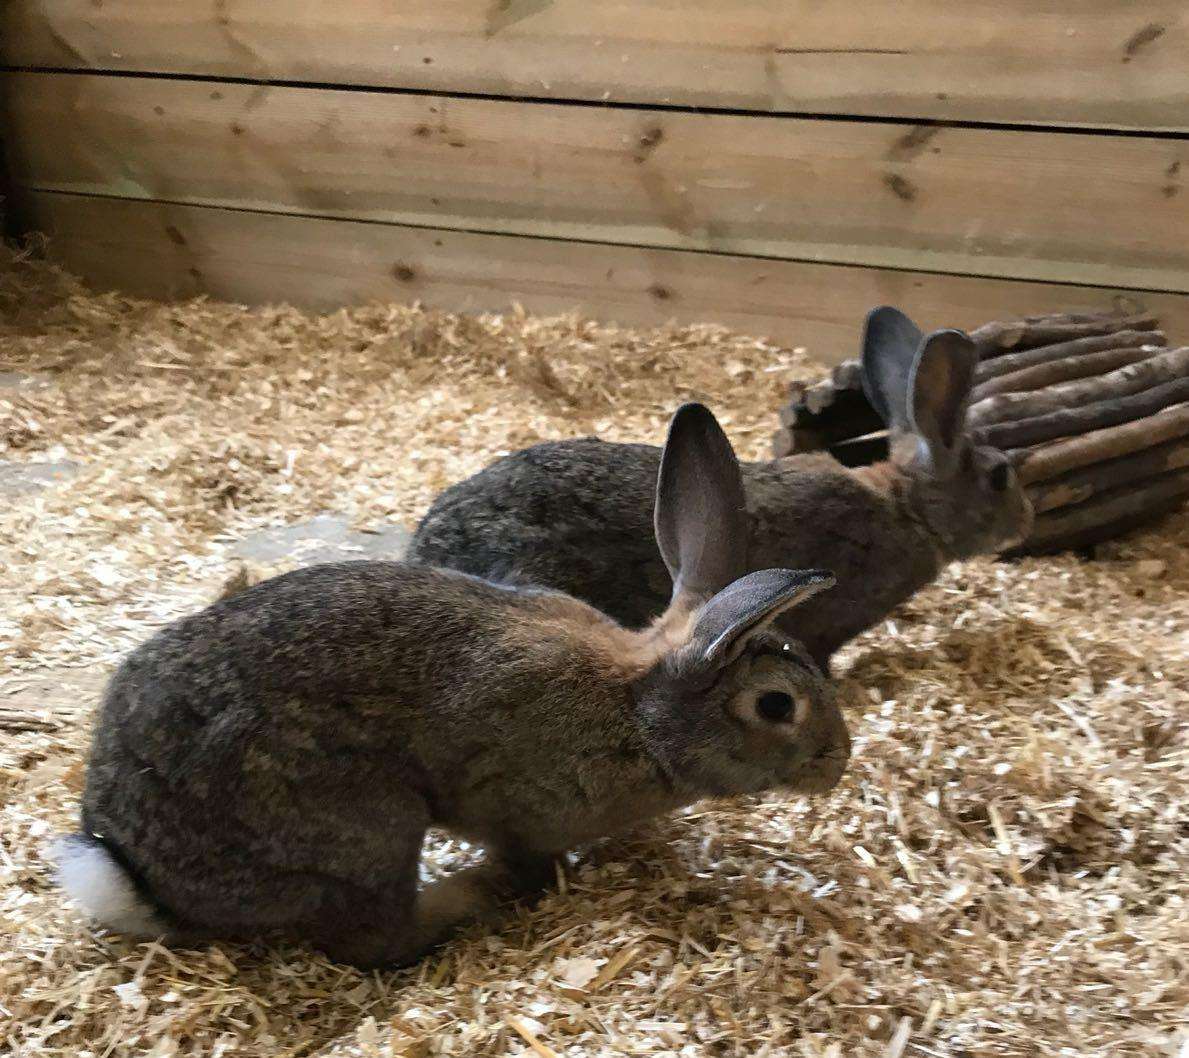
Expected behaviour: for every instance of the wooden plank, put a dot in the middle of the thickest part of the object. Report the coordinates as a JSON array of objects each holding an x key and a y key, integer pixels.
[
  {"x": 6, "y": 223},
  {"x": 163, "y": 250},
  {"x": 1068, "y": 62},
  {"x": 988, "y": 202}
]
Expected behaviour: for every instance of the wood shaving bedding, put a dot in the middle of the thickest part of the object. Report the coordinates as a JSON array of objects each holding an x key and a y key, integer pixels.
[{"x": 1002, "y": 873}]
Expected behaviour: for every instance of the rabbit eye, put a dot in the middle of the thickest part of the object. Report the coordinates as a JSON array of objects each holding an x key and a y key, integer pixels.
[
  {"x": 775, "y": 705},
  {"x": 1000, "y": 476}
]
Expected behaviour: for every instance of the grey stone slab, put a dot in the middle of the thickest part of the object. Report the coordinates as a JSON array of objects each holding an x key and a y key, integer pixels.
[
  {"x": 326, "y": 538},
  {"x": 22, "y": 380},
  {"x": 18, "y": 479}
]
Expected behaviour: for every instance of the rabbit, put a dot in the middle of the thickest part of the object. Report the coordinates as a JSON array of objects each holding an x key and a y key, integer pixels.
[
  {"x": 573, "y": 515},
  {"x": 271, "y": 764}
]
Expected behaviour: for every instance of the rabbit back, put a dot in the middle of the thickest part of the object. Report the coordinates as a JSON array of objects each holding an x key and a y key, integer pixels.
[
  {"x": 810, "y": 508},
  {"x": 576, "y": 516}
]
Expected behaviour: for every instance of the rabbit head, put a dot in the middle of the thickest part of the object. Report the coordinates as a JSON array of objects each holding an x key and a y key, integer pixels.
[
  {"x": 730, "y": 705},
  {"x": 967, "y": 495}
]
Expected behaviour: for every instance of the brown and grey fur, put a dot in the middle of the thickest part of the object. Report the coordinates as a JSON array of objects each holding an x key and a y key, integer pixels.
[
  {"x": 273, "y": 762},
  {"x": 575, "y": 515}
]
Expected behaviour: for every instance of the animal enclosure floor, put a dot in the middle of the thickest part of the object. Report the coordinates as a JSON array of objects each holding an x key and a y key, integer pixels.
[{"x": 1003, "y": 871}]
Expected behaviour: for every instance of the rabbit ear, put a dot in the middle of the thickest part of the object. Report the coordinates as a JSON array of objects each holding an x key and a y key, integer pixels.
[
  {"x": 700, "y": 517},
  {"x": 942, "y": 378},
  {"x": 890, "y": 344},
  {"x": 740, "y": 610}
]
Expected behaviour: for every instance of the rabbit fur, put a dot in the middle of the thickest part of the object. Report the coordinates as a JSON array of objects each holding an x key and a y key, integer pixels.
[
  {"x": 272, "y": 763},
  {"x": 574, "y": 515}
]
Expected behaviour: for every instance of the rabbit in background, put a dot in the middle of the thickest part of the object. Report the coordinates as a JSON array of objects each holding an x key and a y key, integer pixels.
[
  {"x": 273, "y": 762},
  {"x": 574, "y": 515}
]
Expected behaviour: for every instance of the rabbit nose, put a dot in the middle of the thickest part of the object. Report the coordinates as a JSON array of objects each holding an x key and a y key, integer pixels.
[
  {"x": 834, "y": 758},
  {"x": 836, "y": 743},
  {"x": 825, "y": 771}
]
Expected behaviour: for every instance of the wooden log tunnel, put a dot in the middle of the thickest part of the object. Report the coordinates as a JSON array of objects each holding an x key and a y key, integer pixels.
[{"x": 1093, "y": 410}]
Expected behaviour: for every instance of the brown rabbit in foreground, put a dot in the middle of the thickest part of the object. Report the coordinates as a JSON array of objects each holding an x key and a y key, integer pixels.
[
  {"x": 273, "y": 762},
  {"x": 575, "y": 515}
]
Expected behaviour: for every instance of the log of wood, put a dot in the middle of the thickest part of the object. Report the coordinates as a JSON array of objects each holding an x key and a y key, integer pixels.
[
  {"x": 1111, "y": 411},
  {"x": 783, "y": 444},
  {"x": 1040, "y": 464},
  {"x": 1108, "y": 514},
  {"x": 796, "y": 400},
  {"x": 807, "y": 402},
  {"x": 824, "y": 413},
  {"x": 1057, "y": 371},
  {"x": 1057, "y": 541},
  {"x": 1163, "y": 367},
  {"x": 1077, "y": 486},
  {"x": 861, "y": 451},
  {"x": 849, "y": 416},
  {"x": 793, "y": 416},
  {"x": 1122, "y": 308},
  {"x": 848, "y": 375},
  {"x": 1009, "y": 362},
  {"x": 789, "y": 414},
  {"x": 992, "y": 339},
  {"x": 850, "y": 451},
  {"x": 820, "y": 397},
  {"x": 797, "y": 441}
]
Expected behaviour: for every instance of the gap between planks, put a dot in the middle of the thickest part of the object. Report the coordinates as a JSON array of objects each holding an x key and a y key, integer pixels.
[{"x": 789, "y": 113}]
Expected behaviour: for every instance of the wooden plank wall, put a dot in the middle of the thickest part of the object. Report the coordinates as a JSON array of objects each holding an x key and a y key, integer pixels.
[
  {"x": 5, "y": 193},
  {"x": 776, "y": 166},
  {"x": 1074, "y": 62}
]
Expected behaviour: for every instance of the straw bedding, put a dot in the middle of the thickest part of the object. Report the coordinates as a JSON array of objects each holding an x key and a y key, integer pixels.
[{"x": 1003, "y": 872}]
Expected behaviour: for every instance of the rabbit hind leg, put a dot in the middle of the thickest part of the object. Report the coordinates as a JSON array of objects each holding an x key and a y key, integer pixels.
[
  {"x": 365, "y": 928},
  {"x": 394, "y": 925},
  {"x": 479, "y": 894},
  {"x": 471, "y": 895}
]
